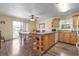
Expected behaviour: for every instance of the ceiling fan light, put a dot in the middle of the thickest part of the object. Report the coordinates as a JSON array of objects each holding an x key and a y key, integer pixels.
[
  {"x": 32, "y": 19},
  {"x": 63, "y": 7}
]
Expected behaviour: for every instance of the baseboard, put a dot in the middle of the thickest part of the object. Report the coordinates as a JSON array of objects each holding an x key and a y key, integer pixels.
[
  {"x": 67, "y": 43},
  {"x": 10, "y": 39}
]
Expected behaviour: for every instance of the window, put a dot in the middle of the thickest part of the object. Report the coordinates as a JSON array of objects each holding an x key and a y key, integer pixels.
[{"x": 66, "y": 24}]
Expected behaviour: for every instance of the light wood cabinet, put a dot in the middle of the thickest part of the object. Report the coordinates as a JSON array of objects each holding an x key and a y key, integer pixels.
[
  {"x": 60, "y": 36},
  {"x": 73, "y": 38},
  {"x": 77, "y": 38},
  {"x": 75, "y": 20},
  {"x": 42, "y": 42},
  {"x": 55, "y": 22},
  {"x": 45, "y": 40},
  {"x": 51, "y": 39},
  {"x": 68, "y": 37}
]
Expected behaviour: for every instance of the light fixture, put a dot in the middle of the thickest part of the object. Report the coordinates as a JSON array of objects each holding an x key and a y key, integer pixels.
[
  {"x": 63, "y": 7},
  {"x": 32, "y": 18}
]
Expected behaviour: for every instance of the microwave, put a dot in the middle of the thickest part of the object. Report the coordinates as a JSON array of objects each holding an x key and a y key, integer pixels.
[{"x": 54, "y": 30}]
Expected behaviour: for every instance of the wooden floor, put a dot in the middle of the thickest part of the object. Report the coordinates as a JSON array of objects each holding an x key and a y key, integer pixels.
[
  {"x": 17, "y": 48},
  {"x": 62, "y": 49}
]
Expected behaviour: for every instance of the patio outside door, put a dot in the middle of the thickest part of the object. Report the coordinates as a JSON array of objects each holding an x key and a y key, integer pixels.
[{"x": 17, "y": 27}]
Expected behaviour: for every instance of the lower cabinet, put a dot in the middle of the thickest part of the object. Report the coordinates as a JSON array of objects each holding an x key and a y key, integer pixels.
[
  {"x": 45, "y": 40},
  {"x": 60, "y": 36},
  {"x": 77, "y": 38},
  {"x": 73, "y": 38},
  {"x": 68, "y": 37}
]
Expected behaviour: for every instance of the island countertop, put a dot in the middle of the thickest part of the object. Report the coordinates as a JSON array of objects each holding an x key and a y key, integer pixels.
[{"x": 39, "y": 33}]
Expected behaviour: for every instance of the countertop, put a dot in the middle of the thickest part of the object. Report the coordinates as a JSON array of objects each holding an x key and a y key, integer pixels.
[
  {"x": 66, "y": 31},
  {"x": 44, "y": 33},
  {"x": 38, "y": 33}
]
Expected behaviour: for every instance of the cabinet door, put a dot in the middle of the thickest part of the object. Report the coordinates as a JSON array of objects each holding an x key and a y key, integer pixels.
[
  {"x": 55, "y": 22},
  {"x": 60, "y": 36},
  {"x": 49, "y": 40},
  {"x": 45, "y": 41},
  {"x": 77, "y": 38},
  {"x": 52, "y": 38},
  {"x": 75, "y": 18},
  {"x": 73, "y": 38},
  {"x": 66, "y": 37}
]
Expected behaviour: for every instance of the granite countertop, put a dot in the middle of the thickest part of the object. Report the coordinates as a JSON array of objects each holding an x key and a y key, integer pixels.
[
  {"x": 37, "y": 32},
  {"x": 44, "y": 33}
]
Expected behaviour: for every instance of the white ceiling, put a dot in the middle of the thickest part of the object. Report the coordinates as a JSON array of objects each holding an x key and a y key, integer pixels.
[{"x": 41, "y": 10}]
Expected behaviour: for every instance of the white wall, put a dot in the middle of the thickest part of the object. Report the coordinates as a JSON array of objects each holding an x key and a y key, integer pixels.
[
  {"x": 31, "y": 26},
  {"x": 47, "y": 22},
  {"x": 7, "y": 28}
]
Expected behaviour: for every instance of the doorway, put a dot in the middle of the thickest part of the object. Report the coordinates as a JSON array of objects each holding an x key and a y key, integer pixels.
[{"x": 17, "y": 27}]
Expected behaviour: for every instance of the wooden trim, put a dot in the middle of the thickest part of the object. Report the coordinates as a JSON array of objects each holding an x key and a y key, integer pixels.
[{"x": 67, "y": 43}]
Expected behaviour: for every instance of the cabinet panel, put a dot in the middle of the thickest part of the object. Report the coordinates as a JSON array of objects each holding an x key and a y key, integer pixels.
[
  {"x": 52, "y": 38},
  {"x": 66, "y": 40},
  {"x": 75, "y": 19},
  {"x": 73, "y": 38},
  {"x": 60, "y": 36},
  {"x": 66, "y": 37},
  {"x": 55, "y": 22},
  {"x": 45, "y": 39},
  {"x": 77, "y": 38}
]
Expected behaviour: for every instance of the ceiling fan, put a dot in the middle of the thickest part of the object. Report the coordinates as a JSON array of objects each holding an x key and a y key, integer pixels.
[{"x": 33, "y": 18}]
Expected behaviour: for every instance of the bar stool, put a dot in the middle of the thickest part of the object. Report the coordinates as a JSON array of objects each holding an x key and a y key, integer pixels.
[{"x": 0, "y": 39}]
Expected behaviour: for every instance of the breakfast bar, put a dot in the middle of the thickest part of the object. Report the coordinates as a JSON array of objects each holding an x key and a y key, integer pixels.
[{"x": 42, "y": 42}]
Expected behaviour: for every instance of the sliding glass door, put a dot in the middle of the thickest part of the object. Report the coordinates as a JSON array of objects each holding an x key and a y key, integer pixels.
[{"x": 17, "y": 27}]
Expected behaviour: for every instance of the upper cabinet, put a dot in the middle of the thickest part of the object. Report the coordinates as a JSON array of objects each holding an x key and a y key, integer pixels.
[
  {"x": 76, "y": 23},
  {"x": 78, "y": 26},
  {"x": 66, "y": 23},
  {"x": 75, "y": 20},
  {"x": 55, "y": 22}
]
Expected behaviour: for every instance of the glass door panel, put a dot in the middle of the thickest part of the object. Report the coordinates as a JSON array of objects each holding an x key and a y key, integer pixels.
[{"x": 17, "y": 27}]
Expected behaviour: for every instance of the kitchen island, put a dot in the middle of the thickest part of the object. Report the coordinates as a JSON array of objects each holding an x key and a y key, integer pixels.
[{"x": 42, "y": 42}]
